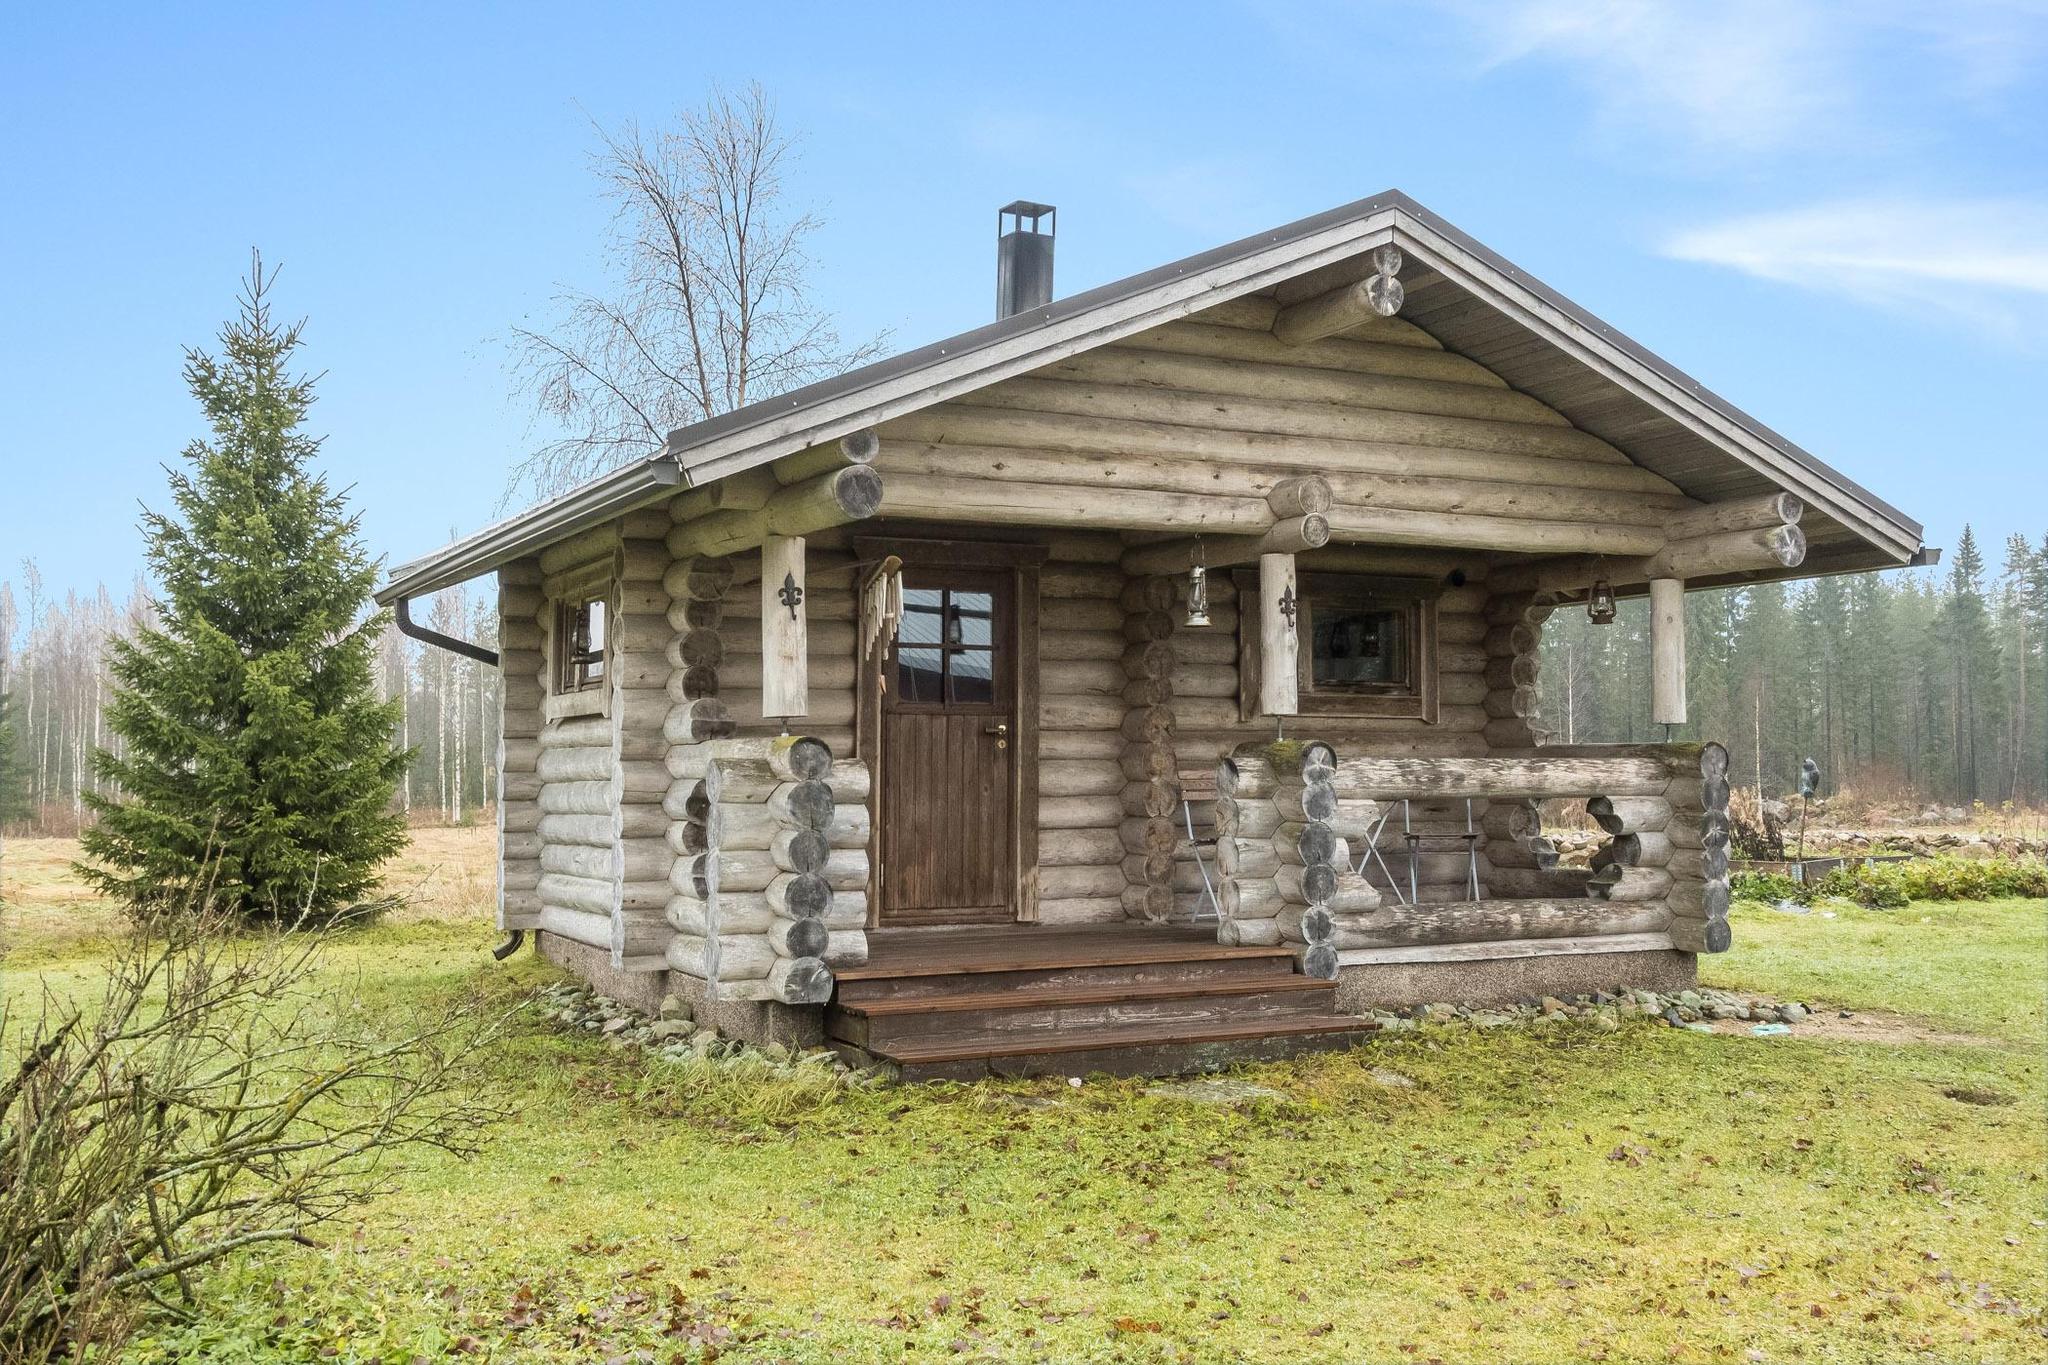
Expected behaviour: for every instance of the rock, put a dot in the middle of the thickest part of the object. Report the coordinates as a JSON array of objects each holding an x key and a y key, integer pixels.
[
  {"x": 1606, "y": 1022},
  {"x": 662, "y": 1030},
  {"x": 1724, "y": 1011},
  {"x": 1792, "y": 1012},
  {"x": 615, "y": 1025},
  {"x": 1388, "y": 1077},
  {"x": 1550, "y": 1004},
  {"x": 1689, "y": 999},
  {"x": 703, "y": 1040},
  {"x": 1672, "y": 1017},
  {"x": 1491, "y": 1019},
  {"x": 675, "y": 1007}
]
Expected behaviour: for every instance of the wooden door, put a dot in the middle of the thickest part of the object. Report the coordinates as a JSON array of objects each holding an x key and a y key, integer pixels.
[{"x": 949, "y": 742}]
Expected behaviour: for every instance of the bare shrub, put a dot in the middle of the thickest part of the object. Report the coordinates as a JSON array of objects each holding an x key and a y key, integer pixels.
[{"x": 216, "y": 1096}]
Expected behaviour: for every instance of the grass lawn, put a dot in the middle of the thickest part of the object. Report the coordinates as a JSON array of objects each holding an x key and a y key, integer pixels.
[{"x": 1503, "y": 1195}]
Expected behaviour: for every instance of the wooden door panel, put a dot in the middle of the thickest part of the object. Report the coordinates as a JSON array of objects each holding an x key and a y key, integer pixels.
[{"x": 948, "y": 829}]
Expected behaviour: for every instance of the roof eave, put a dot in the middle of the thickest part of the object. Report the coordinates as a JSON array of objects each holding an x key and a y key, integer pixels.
[
  {"x": 623, "y": 490},
  {"x": 1625, "y": 362}
]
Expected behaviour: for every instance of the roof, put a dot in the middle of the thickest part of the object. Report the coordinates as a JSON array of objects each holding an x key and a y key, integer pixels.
[{"x": 1471, "y": 299}]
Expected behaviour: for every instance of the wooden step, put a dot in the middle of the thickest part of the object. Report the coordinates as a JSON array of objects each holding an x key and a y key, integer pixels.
[
  {"x": 879, "y": 1024},
  {"x": 1155, "y": 1050},
  {"x": 1032, "y": 975}
]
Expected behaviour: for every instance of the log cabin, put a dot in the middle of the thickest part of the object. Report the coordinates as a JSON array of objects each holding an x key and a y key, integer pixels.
[{"x": 1144, "y": 681}]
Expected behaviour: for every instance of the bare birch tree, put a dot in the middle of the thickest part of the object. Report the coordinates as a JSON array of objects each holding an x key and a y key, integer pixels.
[{"x": 707, "y": 307}]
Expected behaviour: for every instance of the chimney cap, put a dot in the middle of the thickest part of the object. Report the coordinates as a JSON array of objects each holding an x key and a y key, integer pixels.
[{"x": 1025, "y": 208}]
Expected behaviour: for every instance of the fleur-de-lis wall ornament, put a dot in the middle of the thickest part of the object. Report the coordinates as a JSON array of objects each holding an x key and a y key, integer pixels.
[
  {"x": 791, "y": 595},
  {"x": 1287, "y": 607}
]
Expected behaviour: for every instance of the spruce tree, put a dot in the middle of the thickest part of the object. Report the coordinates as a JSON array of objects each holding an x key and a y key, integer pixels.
[
  {"x": 13, "y": 761},
  {"x": 258, "y": 761}
]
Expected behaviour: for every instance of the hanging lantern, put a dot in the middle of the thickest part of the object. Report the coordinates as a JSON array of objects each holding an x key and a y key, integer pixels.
[
  {"x": 1198, "y": 596},
  {"x": 1600, "y": 603}
]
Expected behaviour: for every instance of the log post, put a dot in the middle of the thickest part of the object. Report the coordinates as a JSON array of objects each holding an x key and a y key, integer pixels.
[
  {"x": 785, "y": 685},
  {"x": 1667, "y": 651},
  {"x": 1279, "y": 637}
]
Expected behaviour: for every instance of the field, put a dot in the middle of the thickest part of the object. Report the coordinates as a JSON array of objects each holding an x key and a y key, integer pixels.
[{"x": 1450, "y": 1194}]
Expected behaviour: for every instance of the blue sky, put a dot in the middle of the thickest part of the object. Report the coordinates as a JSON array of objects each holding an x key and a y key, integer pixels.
[{"x": 1837, "y": 218}]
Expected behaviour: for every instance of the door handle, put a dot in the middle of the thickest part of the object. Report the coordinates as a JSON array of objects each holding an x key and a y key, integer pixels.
[{"x": 1001, "y": 730}]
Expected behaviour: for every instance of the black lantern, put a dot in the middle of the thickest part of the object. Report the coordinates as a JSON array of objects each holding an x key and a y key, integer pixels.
[{"x": 1600, "y": 603}]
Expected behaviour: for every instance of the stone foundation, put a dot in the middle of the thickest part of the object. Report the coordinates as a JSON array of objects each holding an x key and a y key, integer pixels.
[
  {"x": 751, "y": 1021},
  {"x": 1499, "y": 980}
]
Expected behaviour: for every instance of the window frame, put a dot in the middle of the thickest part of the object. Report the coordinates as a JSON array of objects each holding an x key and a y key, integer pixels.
[
  {"x": 566, "y": 594},
  {"x": 1415, "y": 598}
]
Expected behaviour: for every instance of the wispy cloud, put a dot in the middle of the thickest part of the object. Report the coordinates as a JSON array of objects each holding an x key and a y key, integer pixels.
[
  {"x": 1981, "y": 259},
  {"x": 1754, "y": 76}
]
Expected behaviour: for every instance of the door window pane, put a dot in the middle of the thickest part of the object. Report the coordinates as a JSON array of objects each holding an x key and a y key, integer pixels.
[
  {"x": 920, "y": 672},
  {"x": 968, "y": 676},
  {"x": 969, "y": 619},
  {"x": 921, "y": 611}
]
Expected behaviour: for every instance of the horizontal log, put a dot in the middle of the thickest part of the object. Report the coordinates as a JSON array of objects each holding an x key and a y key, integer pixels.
[
  {"x": 1741, "y": 514},
  {"x": 857, "y": 447},
  {"x": 1251, "y": 379},
  {"x": 1292, "y": 417},
  {"x": 842, "y": 495},
  {"x": 730, "y": 957},
  {"x": 576, "y": 925},
  {"x": 1401, "y": 526},
  {"x": 1485, "y": 921},
  {"x": 585, "y": 894},
  {"x": 1536, "y": 777},
  {"x": 1344, "y": 354},
  {"x": 962, "y": 425},
  {"x": 998, "y": 502},
  {"x": 1292, "y": 536},
  {"x": 1080, "y": 812}
]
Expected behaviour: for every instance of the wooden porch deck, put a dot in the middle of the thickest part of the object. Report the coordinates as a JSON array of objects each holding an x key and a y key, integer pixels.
[{"x": 1129, "y": 999}]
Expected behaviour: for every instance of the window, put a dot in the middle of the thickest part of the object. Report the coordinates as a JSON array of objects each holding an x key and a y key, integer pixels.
[
  {"x": 579, "y": 644},
  {"x": 1368, "y": 646},
  {"x": 945, "y": 647}
]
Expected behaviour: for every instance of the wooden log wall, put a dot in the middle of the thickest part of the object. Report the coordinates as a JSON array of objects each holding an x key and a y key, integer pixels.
[
  {"x": 768, "y": 888},
  {"x": 636, "y": 662},
  {"x": 1191, "y": 426},
  {"x": 1512, "y": 650},
  {"x": 522, "y": 684},
  {"x": 1152, "y": 829},
  {"x": 1086, "y": 726},
  {"x": 602, "y": 863}
]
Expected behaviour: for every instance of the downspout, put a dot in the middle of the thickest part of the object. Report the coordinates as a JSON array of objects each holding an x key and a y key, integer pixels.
[
  {"x": 413, "y": 630},
  {"x": 402, "y": 610}
]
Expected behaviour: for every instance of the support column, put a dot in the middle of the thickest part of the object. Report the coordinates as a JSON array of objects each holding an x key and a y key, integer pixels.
[
  {"x": 1667, "y": 651},
  {"x": 1279, "y": 637},
  {"x": 785, "y": 669}
]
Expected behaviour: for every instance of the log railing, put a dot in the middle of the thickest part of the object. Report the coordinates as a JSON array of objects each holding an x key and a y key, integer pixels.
[{"x": 1287, "y": 814}]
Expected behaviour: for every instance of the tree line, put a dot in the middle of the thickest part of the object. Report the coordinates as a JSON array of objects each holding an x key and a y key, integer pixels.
[
  {"x": 56, "y": 687},
  {"x": 1921, "y": 685}
]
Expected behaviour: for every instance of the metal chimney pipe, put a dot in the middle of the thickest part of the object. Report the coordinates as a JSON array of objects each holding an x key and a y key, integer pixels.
[{"x": 1023, "y": 257}]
